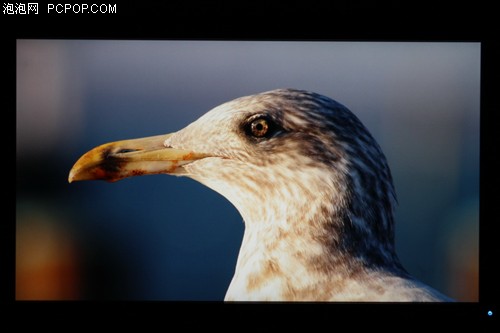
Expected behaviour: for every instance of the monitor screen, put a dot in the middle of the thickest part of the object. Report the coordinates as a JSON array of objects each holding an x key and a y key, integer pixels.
[{"x": 170, "y": 238}]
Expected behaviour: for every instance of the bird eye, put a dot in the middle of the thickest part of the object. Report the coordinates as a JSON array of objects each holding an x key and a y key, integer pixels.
[{"x": 259, "y": 127}]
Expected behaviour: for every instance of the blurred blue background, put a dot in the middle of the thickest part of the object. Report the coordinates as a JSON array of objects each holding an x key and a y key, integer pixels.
[{"x": 168, "y": 238}]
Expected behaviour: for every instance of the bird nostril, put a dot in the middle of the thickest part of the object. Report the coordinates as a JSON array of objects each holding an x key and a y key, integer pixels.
[{"x": 126, "y": 150}]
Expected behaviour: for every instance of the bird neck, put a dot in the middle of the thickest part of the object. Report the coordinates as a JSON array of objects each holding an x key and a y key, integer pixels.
[{"x": 291, "y": 259}]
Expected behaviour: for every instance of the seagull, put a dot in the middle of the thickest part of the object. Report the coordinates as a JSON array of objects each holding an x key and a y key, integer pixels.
[{"x": 311, "y": 183}]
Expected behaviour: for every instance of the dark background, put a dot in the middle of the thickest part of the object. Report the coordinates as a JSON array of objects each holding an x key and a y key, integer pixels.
[{"x": 168, "y": 238}]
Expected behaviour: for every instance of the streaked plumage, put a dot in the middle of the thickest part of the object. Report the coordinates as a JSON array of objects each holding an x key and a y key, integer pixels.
[{"x": 312, "y": 185}]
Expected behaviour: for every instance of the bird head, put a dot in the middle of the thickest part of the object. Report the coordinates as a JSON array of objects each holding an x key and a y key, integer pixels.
[{"x": 284, "y": 158}]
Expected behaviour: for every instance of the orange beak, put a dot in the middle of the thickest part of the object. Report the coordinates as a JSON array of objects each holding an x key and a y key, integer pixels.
[{"x": 121, "y": 159}]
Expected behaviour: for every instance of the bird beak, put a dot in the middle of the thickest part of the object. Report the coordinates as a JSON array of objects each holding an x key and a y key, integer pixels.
[{"x": 121, "y": 159}]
